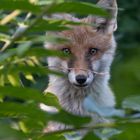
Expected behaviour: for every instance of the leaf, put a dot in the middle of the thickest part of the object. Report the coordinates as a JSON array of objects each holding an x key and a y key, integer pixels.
[
  {"x": 4, "y": 56},
  {"x": 90, "y": 136},
  {"x": 50, "y": 137},
  {"x": 132, "y": 103},
  {"x": 22, "y": 111},
  {"x": 43, "y": 26},
  {"x": 52, "y": 100},
  {"x": 33, "y": 69},
  {"x": 42, "y": 52},
  {"x": 53, "y": 25},
  {"x": 73, "y": 136},
  {"x": 1, "y": 80},
  {"x": 48, "y": 38},
  {"x": 30, "y": 94},
  {"x": 4, "y": 37},
  {"x": 6, "y": 132},
  {"x": 106, "y": 133},
  {"x": 131, "y": 132},
  {"x": 78, "y": 8},
  {"x": 22, "y": 48},
  {"x": 3, "y": 28},
  {"x": 14, "y": 79},
  {"x": 30, "y": 77},
  {"x": 23, "y": 5},
  {"x": 70, "y": 119}
]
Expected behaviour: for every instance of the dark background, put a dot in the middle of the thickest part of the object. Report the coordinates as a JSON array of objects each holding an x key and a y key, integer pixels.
[{"x": 125, "y": 79}]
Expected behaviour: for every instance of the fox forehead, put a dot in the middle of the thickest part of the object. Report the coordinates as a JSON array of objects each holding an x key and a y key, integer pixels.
[{"x": 86, "y": 37}]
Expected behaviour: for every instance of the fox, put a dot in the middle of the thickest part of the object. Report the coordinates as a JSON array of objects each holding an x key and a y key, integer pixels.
[{"x": 87, "y": 71}]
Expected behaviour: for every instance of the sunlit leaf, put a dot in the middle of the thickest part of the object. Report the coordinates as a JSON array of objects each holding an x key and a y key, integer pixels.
[
  {"x": 4, "y": 37},
  {"x": 14, "y": 79}
]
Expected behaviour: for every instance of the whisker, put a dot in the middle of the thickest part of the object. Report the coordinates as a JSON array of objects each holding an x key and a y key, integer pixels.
[{"x": 67, "y": 69}]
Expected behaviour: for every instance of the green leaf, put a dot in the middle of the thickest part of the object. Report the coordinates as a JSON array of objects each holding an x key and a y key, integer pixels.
[
  {"x": 22, "y": 111},
  {"x": 8, "y": 133},
  {"x": 50, "y": 137},
  {"x": 33, "y": 69},
  {"x": 22, "y": 48},
  {"x": 52, "y": 25},
  {"x": 132, "y": 103},
  {"x": 78, "y": 8},
  {"x": 4, "y": 37},
  {"x": 3, "y": 28},
  {"x": 48, "y": 38},
  {"x": 51, "y": 100},
  {"x": 4, "y": 56},
  {"x": 23, "y": 5},
  {"x": 70, "y": 119},
  {"x": 90, "y": 136},
  {"x": 131, "y": 132},
  {"x": 42, "y": 52},
  {"x": 30, "y": 95},
  {"x": 13, "y": 79}
]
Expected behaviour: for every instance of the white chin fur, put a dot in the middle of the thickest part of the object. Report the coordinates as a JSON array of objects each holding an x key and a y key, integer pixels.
[{"x": 72, "y": 78}]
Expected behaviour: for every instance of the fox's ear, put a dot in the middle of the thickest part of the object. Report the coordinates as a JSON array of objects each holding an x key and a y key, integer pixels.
[{"x": 108, "y": 24}]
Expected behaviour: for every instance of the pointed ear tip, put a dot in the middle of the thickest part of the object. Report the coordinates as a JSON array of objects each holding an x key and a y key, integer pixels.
[
  {"x": 107, "y": 2},
  {"x": 115, "y": 27}
]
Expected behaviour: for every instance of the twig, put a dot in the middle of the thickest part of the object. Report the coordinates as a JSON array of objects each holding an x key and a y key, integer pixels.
[
  {"x": 93, "y": 71},
  {"x": 9, "y": 17},
  {"x": 97, "y": 126}
]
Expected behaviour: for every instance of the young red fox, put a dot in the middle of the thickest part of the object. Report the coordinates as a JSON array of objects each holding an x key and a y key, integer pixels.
[{"x": 92, "y": 50}]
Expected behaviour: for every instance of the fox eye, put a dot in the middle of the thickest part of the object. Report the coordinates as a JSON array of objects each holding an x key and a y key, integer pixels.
[
  {"x": 66, "y": 51},
  {"x": 93, "y": 51}
]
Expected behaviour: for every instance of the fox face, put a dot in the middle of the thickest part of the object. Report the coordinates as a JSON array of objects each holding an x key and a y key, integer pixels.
[{"x": 91, "y": 49}]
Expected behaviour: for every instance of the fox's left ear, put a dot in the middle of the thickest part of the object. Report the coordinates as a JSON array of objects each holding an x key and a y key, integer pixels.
[{"x": 107, "y": 24}]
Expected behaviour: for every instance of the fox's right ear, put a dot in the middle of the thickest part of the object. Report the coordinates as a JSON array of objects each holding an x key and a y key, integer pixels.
[{"x": 109, "y": 24}]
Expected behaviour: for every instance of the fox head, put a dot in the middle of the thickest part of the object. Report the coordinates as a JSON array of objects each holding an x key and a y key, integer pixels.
[{"x": 91, "y": 48}]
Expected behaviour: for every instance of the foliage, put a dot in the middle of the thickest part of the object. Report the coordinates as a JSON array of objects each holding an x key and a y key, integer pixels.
[
  {"x": 126, "y": 66},
  {"x": 23, "y": 74}
]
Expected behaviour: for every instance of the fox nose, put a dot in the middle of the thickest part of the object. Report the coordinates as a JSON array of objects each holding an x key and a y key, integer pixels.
[{"x": 81, "y": 79}]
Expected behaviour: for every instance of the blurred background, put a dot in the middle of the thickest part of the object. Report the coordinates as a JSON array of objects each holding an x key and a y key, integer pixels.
[{"x": 125, "y": 79}]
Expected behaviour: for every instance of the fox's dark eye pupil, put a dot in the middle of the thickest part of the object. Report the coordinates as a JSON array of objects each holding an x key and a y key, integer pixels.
[
  {"x": 93, "y": 51},
  {"x": 66, "y": 50}
]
